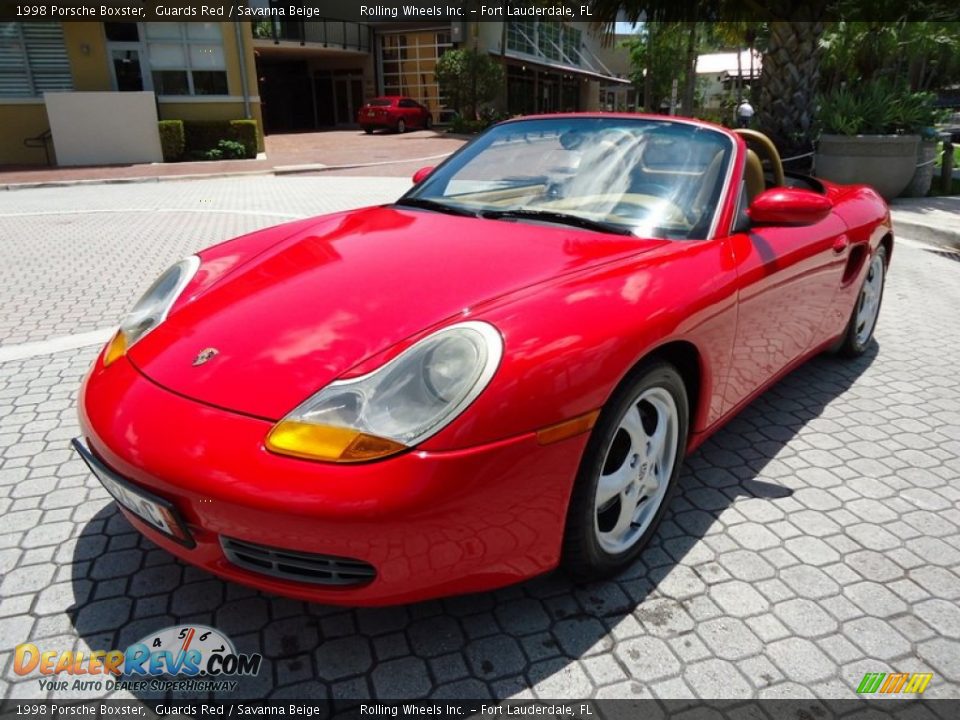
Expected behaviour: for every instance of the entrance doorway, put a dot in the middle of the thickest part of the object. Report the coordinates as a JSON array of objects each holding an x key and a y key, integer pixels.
[{"x": 339, "y": 97}]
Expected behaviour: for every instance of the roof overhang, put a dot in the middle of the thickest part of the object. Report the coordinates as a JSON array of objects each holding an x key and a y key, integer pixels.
[{"x": 518, "y": 58}]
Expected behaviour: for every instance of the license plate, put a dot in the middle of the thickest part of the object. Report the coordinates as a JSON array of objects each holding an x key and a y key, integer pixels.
[{"x": 153, "y": 510}]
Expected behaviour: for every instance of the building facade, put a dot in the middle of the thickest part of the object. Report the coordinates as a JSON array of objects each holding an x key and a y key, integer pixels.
[
  {"x": 288, "y": 75},
  {"x": 197, "y": 71}
]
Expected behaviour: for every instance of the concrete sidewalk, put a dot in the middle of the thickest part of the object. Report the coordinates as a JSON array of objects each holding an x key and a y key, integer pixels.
[{"x": 934, "y": 220}]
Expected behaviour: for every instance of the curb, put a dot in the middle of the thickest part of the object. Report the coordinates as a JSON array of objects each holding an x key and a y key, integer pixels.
[
  {"x": 127, "y": 181},
  {"x": 278, "y": 170},
  {"x": 924, "y": 233}
]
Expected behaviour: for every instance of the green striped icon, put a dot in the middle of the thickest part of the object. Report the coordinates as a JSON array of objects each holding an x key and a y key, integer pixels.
[{"x": 913, "y": 683}]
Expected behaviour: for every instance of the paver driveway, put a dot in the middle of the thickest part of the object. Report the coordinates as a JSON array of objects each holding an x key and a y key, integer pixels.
[{"x": 815, "y": 539}]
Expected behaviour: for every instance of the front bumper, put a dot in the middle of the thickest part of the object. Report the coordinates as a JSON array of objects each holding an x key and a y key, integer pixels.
[{"x": 430, "y": 524}]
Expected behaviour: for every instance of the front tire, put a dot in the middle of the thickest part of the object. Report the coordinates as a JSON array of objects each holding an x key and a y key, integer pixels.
[
  {"x": 628, "y": 473},
  {"x": 368, "y": 131},
  {"x": 428, "y": 123},
  {"x": 863, "y": 319}
]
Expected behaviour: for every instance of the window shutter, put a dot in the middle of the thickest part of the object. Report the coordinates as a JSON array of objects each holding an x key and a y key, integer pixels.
[
  {"x": 14, "y": 78},
  {"x": 47, "y": 56},
  {"x": 33, "y": 58}
]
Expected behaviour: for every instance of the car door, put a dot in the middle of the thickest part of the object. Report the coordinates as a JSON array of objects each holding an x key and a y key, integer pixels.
[
  {"x": 410, "y": 112},
  {"x": 787, "y": 279}
]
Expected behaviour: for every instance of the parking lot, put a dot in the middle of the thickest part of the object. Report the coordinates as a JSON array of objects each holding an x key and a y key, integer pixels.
[{"x": 815, "y": 539}]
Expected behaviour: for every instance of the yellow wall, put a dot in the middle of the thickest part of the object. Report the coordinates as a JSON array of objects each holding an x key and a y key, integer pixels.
[
  {"x": 20, "y": 121},
  {"x": 90, "y": 66},
  {"x": 87, "y": 50}
]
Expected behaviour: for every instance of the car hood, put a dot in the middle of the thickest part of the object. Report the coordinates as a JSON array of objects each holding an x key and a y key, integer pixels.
[{"x": 293, "y": 318}]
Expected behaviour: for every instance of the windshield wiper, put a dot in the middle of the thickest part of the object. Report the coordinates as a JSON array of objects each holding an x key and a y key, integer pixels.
[
  {"x": 428, "y": 204},
  {"x": 557, "y": 217}
]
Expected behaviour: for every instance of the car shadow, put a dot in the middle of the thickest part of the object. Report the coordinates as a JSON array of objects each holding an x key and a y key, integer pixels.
[{"x": 494, "y": 644}]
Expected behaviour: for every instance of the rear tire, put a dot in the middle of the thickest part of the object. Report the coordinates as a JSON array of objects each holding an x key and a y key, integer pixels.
[
  {"x": 628, "y": 473},
  {"x": 368, "y": 131},
  {"x": 401, "y": 127},
  {"x": 863, "y": 319},
  {"x": 428, "y": 123}
]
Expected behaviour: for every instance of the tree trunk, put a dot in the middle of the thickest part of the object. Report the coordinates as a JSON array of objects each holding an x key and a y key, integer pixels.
[
  {"x": 739, "y": 75},
  {"x": 788, "y": 86},
  {"x": 690, "y": 81}
]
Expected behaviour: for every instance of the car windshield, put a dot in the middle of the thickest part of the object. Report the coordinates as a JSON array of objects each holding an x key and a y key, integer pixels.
[{"x": 642, "y": 177}]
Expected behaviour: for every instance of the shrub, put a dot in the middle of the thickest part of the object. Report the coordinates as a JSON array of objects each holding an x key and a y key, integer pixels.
[
  {"x": 468, "y": 79},
  {"x": 172, "y": 139},
  {"x": 875, "y": 108},
  {"x": 231, "y": 149},
  {"x": 203, "y": 136}
]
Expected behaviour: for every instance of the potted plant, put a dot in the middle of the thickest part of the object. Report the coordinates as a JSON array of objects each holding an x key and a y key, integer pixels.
[{"x": 869, "y": 135}]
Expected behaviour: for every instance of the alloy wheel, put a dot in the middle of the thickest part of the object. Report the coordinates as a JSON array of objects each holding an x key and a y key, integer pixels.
[
  {"x": 868, "y": 304},
  {"x": 636, "y": 470}
]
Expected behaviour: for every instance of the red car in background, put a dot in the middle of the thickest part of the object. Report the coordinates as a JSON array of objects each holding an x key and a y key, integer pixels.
[{"x": 393, "y": 112}]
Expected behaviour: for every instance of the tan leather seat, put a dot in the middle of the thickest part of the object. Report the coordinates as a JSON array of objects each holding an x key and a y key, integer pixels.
[{"x": 753, "y": 175}]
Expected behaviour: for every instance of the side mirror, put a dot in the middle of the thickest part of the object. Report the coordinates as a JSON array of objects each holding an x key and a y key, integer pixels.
[
  {"x": 789, "y": 206},
  {"x": 420, "y": 175}
]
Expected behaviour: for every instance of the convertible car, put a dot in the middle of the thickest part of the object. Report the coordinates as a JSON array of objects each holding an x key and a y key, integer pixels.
[{"x": 498, "y": 374}]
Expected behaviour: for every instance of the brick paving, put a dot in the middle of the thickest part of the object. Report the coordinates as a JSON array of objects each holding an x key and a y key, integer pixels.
[
  {"x": 334, "y": 147},
  {"x": 815, "y": 539}
]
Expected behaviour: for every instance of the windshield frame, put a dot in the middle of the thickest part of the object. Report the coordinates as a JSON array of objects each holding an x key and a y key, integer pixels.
[{"x": 731, "y": 152}]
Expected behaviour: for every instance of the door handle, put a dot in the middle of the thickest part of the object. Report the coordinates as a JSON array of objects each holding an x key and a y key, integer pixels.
[{"x": 841, "y": 244}]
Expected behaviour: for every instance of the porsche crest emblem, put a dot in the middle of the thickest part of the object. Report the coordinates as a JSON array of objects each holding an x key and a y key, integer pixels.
[{"x": 205, "y": 356}]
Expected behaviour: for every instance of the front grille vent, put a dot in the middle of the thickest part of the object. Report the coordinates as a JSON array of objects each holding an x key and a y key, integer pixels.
[{"x": 297, "y": 566}]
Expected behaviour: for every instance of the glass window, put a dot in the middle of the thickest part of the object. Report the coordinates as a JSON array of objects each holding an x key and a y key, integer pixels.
[
  {"x": 163, "y": 31},
  {"x": 203, "y": 57},
  {"x": 123, "y": 31},
  {"x": 203, "y": 31},
  {"x": 209, "y": 82},
  {"x": 170, "y": 82},
  {"x": 186, "y": 58},
  {"x": 647, "y": 178},
  {"x": 408, "y": 62},
  {"x": 164, "y": 56},
  {"x": 572, "y": 38},
  {"x": 549, "y": 40}
]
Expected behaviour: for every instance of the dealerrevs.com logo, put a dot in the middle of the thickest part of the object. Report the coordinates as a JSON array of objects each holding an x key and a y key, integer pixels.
[{"x": 177, "y": 658}]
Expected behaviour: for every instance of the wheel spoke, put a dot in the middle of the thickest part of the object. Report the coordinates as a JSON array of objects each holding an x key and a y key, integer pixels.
[
  {"x": 613, "y": 484},
  {"x": 628, "y": 508},
  {"x": 658, "y": 440},
  {"x": 633, "y": 424}
]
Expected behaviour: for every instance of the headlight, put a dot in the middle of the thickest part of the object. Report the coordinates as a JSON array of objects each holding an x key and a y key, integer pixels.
[
  {"x": 397, "y": 406},
  {"x": 152, "y": 308}
]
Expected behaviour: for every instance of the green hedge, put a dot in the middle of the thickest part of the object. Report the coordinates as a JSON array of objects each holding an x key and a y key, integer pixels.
[
  {"x": 172, "y": 139},
  {"x": 205, "y": 135}
]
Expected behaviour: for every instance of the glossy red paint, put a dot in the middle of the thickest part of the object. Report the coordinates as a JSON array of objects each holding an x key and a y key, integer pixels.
[
  {"x": 393, "y": 112},
  {"x": 786, "y": 206},
  {"x": 481, "y": 503}
]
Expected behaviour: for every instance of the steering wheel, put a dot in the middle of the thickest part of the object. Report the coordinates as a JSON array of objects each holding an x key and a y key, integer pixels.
[{"x": 765, "y": 147}]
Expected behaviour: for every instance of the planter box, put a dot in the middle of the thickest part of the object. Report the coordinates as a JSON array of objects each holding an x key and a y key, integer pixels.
[{"x": 886, "y": 162}]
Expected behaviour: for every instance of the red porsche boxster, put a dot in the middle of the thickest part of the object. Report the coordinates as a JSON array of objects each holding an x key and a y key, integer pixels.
[{"x": 497, "y": 374}]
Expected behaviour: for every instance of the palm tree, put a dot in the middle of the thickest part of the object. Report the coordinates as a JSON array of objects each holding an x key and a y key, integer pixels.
[{"x": 791, "y": 63}]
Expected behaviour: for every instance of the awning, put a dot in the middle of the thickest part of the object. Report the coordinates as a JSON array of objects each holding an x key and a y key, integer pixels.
[{"x": 564, "y": 69}]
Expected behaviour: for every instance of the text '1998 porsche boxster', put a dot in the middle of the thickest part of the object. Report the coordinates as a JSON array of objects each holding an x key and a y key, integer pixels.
[{"x": 497, "y": 374}]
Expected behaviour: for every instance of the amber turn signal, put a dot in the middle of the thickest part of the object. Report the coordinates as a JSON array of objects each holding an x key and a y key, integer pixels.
[
  {"x": 326, "y": 442},
  {"x": 568, "y": 428},
  {"x": 116, "y": 348}
]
